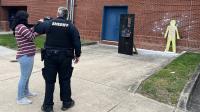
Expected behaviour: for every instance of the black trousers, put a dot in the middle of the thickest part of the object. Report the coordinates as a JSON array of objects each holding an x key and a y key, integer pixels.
[{"x": 53, "y": 64}]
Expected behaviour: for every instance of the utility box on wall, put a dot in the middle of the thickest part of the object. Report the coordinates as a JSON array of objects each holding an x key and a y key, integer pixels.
[{"x": 126, "y": 34}]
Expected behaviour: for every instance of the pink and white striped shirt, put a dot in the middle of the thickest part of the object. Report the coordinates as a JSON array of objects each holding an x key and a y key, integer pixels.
[{"x": 24, "y": 38}]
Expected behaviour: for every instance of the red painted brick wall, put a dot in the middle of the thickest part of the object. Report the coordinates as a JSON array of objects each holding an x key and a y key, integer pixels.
[
  {"x": 3, "y": 14},
  {"x": 14, "y": 2},
  {"x": 40, "y": 8},
  {"x": 3, "y": 20},
  {"x": 37, "y": 9},
  {"x": 4, "y": 25},
  {"x": 152, "y": 18}
]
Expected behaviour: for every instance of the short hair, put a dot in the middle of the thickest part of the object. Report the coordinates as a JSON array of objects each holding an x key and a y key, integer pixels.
[{"x": 63, "y": 12}]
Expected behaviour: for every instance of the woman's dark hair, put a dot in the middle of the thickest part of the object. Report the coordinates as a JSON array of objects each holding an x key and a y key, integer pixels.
[{"x": 21, "y": 17}]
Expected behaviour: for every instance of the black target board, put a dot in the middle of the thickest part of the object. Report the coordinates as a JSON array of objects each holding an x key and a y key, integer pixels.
[{"x": 126, "y": 34}]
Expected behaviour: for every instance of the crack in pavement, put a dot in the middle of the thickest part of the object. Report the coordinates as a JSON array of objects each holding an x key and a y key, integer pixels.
[{"x": 113, "y": 107}]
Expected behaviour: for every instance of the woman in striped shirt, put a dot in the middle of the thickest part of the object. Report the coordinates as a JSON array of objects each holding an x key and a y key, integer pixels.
[{"x": 25, "y": 54}]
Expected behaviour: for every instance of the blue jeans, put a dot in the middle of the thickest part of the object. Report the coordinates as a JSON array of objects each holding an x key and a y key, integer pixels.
[{"x": 26, "y": 66}]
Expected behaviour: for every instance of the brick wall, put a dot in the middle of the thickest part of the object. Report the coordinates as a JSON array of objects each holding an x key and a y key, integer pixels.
[
  {"x": 3, "y": 14},
  {"x": 152, "y": 18},
  {"x": 37, "y": 9},
  {"x": 3, "y": 20},
  {"x": 15, "y": 2},
  {"x": 40, "y": 8},
  {"x": 4, "y": 25}
]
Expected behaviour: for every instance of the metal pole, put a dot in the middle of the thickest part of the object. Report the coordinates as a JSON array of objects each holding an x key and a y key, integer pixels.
[
  {"x": 67, "y": 6},
  {"x": 67, "y": 3},
  {"x": 72, "y": 11}
]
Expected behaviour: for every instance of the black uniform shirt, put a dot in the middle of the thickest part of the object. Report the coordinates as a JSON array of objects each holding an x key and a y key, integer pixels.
[{"x": 60, "y": 34}]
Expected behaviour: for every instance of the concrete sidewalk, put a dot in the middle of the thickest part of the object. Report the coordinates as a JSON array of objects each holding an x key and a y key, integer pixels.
[
  {"x": 194, "y": 101},
  {"x": 103, "y": 81},
  {"x": 3, "y": 33}
]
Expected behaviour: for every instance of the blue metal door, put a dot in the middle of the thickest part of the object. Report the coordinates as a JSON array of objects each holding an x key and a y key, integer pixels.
[{"x": 111, "y": 22}]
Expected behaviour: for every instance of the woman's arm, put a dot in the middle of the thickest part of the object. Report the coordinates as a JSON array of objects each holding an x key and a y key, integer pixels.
[{"x": 25, "y": 32}]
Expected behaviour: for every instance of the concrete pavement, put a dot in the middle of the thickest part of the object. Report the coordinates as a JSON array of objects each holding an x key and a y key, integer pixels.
[
  {"x": 194, "y": 101},
  {"x": 2, "y": 33},
  {"x": 103, "y": 81}
]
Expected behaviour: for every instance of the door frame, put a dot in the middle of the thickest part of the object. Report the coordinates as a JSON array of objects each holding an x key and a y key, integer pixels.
[{"x": 103, "y": 18}]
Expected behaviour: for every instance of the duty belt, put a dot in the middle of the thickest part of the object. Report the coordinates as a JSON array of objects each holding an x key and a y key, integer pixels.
[{"x": 55, "y": 51}]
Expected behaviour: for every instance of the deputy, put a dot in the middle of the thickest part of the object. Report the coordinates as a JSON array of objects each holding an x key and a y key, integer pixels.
[{"x": 62, "y": 46}]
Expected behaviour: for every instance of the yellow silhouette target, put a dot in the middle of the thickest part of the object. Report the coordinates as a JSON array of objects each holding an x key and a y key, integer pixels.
[{"x": 172, "y": 34}]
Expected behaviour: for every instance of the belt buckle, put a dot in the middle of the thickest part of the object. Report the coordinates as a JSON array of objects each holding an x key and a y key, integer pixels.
[{"x": 55, "y": 51}]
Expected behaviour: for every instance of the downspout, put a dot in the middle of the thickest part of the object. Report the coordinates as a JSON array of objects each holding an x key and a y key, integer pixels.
[
  {"x": 67, "y": 6},
  {"x": 71, "y": 10},
  {"x": 72, "y": 19}
]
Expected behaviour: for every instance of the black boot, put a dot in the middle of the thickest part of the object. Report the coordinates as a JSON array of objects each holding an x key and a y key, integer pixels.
[
  {"x": 67, "y": 105},
  {"x": 45, "y": 108}
]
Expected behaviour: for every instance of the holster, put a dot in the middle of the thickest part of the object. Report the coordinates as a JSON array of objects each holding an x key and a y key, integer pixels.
[{"x": 43, "y": 53}]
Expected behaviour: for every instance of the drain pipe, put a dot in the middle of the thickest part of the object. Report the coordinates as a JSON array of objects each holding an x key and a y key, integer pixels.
[
  {"x": 71, "y": 10},
  {"x": 67, "y": 3},
  {"x": 67, "y": 6},
  {"x": 72, "y": 18}
]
